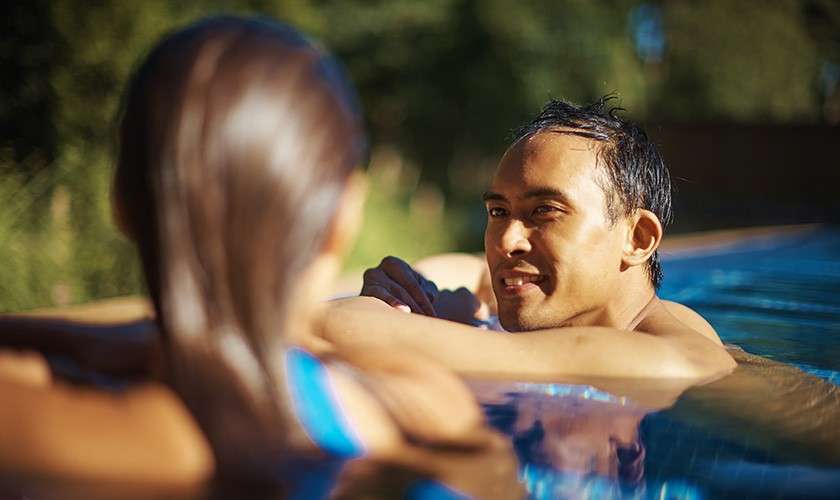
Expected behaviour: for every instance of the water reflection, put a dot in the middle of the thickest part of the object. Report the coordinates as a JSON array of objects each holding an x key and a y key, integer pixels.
[
  {"x": 767, "y": 430},
  {"x": 574, "y": 441},
  {"x": 767, "y": 421},
  {"x": 421, "y": 473}
]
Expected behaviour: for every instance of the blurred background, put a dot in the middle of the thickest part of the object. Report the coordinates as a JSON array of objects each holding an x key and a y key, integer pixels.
[{"x": 742, "y": 97}]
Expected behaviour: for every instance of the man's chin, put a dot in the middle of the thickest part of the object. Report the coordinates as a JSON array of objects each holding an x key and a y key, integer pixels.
[
  {"x": 520, "y": 321},
  {"x": 516, "y": 323},
  {"x": 523, "y": 315}
]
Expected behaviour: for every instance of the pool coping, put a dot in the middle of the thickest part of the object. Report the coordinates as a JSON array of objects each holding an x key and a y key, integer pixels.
[
  {"x": 133, "y": 307},
  {"x": 727, "y": 240}
]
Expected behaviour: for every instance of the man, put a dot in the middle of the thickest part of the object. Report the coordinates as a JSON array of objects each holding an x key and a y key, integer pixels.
[{"x": 575, "y": 213}]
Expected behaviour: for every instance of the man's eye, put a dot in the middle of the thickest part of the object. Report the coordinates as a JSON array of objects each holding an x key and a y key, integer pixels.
[
  {"x": 496, "y": 212},
  {"x": 545, "y": 209}
]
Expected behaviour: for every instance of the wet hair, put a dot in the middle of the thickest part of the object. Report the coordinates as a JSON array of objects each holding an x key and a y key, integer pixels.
[
  {"x": 637, "y": 177},
  {"x": 237, "y": 138}
]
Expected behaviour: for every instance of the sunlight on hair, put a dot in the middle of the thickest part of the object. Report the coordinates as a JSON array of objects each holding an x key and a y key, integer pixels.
[
  {"x": 234, "y": 349},
  {"x": 187, "y": 312}
]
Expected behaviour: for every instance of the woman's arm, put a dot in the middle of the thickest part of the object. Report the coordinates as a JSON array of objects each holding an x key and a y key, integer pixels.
[
  {"x": 143, "y": 435},
  {"x": 126, "y": 349},
  {"x": 419, "y": 398}
]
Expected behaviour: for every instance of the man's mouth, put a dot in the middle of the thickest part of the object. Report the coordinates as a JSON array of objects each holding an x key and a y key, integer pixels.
[
  {"x": 521, "y": 280},
  {"x": 521, "y": 283}
]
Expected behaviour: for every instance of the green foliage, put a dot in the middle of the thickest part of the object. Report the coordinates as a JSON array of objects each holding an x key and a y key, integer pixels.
[
  {"x": 443, "y": 83},
  {"x": 758, "y": 64},
  {"x": 400, "y": 217}
]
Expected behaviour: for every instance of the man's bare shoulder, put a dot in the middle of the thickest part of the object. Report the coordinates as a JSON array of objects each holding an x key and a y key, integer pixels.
[{"x": 687, "y": 316}]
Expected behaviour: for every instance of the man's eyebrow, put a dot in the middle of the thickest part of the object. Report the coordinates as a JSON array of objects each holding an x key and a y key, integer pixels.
[
  {"x": 539, "y": 192},
  {"x": 493, "y": 196},
  {"x": 545, "y": 192}
]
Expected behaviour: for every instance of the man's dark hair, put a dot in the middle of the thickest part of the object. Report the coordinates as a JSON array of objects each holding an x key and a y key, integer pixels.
[{"x": 635, "y": 170}]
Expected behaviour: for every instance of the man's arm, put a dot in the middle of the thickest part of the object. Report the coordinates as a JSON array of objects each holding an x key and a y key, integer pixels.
[
  {"x": 355, "y": 324},
  {"x": 773, "y": 405}
]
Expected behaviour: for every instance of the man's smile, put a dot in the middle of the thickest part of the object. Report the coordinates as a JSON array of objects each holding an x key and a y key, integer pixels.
[{"x": 516, "y": 283}]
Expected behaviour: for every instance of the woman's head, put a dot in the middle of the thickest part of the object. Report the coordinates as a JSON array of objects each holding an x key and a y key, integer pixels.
[
  {"x": 239, "y": 135},
  {"x": 237, "y": 140}
]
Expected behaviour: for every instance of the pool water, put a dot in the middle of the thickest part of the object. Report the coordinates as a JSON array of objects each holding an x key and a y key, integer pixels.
[
  {"x": 769, "y": 430},
  {"x": 775, "y": 297}
]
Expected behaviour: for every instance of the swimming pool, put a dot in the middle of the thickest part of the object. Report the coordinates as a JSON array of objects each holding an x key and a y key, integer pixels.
[
  {"x": 778, "y": 297},
  {"x": 766, "y": 431}
]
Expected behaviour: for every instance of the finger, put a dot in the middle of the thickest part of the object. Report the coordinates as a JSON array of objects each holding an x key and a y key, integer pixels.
[
  {"x": 374, "y": 276},
  {"x": 379, "y": 291},
  {"x": 376, "y": 283},
  {"x": 375, "y": 290},
  {"x": 392, "y": 294},
  {"x": 468, "y": 297},
  {"x": 429, "y": 287},
  {"x": 406, "y": 298},
  {"x": 404, "y": 275},
  {"x": 390, "y": 275}
]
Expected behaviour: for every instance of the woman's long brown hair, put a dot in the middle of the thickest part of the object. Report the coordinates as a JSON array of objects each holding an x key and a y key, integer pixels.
[{"x": 237, "y": 139}]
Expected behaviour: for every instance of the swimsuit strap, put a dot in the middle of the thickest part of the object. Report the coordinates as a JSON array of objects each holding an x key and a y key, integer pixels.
[
  {"x": 639, "y": 317},
  {"x": 316, "y": 406}
]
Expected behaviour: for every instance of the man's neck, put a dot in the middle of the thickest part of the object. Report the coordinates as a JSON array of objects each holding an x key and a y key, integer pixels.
[
  {"x": 632, "y": 301},
  {"x": 628, "y": 304}
]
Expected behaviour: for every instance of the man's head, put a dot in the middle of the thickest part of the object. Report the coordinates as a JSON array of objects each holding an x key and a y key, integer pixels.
[{"x": 575, "y": 214}]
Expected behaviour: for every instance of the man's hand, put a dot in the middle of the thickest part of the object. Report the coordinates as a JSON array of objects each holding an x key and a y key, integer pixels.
[
  {"x": 399, "y": 285},
  {"x": 462, "y": 306}
]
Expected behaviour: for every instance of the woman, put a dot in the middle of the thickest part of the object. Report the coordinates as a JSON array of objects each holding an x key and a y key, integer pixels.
[{"x": 239, "y": 146}]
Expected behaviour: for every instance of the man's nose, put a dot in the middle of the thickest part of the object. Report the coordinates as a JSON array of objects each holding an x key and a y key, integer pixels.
[{"x": 514, "y": 239}]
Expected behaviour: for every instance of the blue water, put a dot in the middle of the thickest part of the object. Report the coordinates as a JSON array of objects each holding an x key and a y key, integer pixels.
[
  {"x": 766, "y": 431},
  {"x": 777, "y": 297},
  {"x": 774, "y": 297}
]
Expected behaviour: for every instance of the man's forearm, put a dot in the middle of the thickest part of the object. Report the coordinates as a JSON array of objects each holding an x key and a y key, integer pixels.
[{"x": 357, "y": 323}]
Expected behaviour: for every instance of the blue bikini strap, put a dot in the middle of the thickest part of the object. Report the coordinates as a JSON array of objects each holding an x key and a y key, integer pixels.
[{"x": 316, "y": 406}]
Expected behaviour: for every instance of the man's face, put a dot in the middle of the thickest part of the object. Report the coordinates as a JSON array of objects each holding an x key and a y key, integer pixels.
[{"x": 554, "y": 257}]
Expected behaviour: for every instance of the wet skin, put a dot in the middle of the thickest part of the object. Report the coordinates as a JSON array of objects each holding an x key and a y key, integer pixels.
[
  {"x": 547, "y": 223},
  {"x": 572, "y": 280}
]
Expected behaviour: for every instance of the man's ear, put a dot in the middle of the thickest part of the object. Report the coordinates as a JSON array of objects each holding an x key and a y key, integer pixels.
[
  {"x": 348, "y": 216},
  {"x": 643, "y": 238}
]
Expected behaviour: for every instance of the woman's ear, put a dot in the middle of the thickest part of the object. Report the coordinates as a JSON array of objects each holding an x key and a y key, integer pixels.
[
  {"x": 348, "y": 216},
  {"x": 643, "y": 238}
]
